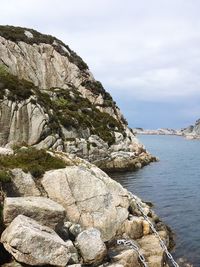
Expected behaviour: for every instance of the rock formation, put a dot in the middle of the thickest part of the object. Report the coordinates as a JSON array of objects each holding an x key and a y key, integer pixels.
[
  {"x": 193, "y": 131},
  {"x": 50, "y": 99},
  {"x": 57, "y": 209},
  {"x": 77, "y": 219},
  {"x": 161, "y": 131}
]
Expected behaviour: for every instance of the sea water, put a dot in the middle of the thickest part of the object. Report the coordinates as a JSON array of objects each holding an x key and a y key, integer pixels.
[{"x": 173, "y": 185}]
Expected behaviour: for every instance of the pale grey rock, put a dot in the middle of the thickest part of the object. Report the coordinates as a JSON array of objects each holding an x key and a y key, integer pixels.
[
  {"x": 74, "y": 258},
  {"x": 75, "y": 229},
  {"x": 6, "y": 151},
  {"x": 33, "y": 244},
  {"x": 41, "y": 209},
  {"x": 91, "y": 246},
  {"x": 89, "y": 196},
  {"x": 23, "y": 184},
  {"x": 126, "y": 258},
  {"x": 21, "y": 122},
  {"x": 28, "y": 34}
]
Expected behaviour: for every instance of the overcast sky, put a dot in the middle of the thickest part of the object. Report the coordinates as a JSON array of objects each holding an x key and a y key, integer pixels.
[{"x": 145, "y": 52}]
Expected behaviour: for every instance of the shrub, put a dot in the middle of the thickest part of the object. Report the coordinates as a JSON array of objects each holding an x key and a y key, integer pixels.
[
  {"x": 30, "y": 160},
  {"x": 19, "y": 89},
  {"x": 5, "y": 176}
]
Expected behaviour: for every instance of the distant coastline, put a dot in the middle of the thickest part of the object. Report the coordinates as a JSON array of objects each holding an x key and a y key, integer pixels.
[{"x": 167, "y": 131}]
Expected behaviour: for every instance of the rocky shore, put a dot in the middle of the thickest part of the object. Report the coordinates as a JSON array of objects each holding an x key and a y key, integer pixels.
[
  {"x": 190, "y": 133},
  {"x": 50, "y": 99},
  {"x": 59, "y": 129},
  {"x": 161, "y": 131},
  {"x": 74, "y": 216}
]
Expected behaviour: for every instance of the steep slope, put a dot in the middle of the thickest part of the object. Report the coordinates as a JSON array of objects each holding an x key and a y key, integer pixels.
[
  {"x": 193, "y": 131},
  {"x": 50, "y": 99}
]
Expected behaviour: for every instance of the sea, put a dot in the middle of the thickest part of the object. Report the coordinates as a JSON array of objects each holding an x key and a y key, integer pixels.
[{"x": 173, "y": 186}]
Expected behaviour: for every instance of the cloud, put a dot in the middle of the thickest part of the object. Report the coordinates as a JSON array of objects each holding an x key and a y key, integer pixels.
[{"x": 147, "y": 50}]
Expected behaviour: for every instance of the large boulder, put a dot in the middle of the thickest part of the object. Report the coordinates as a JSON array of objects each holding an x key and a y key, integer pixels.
[
  {"x": 127, "y": 258},
  {"x": 89, "y": 197},
  {"x": 41, "y": 209},
  {"x": 34, "y": 244},
  {"x": 91, "y": 246},
  {"x": 22, "y": 184},
  {"x": 152, "y": 250}
]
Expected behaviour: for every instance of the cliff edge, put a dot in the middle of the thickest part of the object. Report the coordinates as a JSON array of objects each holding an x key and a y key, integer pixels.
[{"x": 50, "y": 99}]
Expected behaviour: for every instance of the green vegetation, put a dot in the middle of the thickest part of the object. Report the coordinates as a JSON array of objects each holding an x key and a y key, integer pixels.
[
  {"x": 97, "y": 88},
  {"x": 16, "y": 34},
  {"x": 18, "y": 89},
  {"x": 73, "y": 110},
  {"x": 29, "y": 160},
  {"x": 5, "y": 176},
  {"x": 67, "y": 107}
]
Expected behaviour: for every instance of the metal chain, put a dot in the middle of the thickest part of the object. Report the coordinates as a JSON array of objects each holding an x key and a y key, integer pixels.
[
  {"x": 131, "y": 244},
  {"x": 162, "y": 243}
]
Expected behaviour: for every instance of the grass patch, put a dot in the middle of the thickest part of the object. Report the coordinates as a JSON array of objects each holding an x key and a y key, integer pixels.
[
  {"x": 30, "y": 160},
  {"x": 5, "y": 176},
  {"x": 73, "y": 110},
  {"x": 18, "y": 89},
  {"x": 97, "y": 88}
]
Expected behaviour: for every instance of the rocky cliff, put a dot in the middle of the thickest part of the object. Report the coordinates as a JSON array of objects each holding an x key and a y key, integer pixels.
[
  {"x": 50, "y": 99},
  {"x": 193, "y": 131}
]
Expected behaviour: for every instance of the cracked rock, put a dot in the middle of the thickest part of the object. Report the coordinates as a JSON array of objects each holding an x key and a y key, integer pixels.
[
  {"x": 91, "y": 246},
  {"x": 33, "y": 244}
]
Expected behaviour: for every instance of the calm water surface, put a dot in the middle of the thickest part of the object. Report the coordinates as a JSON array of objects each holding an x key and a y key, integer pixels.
[{"x": 173, "y": 185}]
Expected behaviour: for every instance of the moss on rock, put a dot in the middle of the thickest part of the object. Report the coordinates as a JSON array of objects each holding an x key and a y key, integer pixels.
[{"x": 29, "y": 160}]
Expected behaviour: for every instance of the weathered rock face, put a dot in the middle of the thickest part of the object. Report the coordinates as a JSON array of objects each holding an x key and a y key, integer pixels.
[
  {"x": 91, "y": 200},
  {"x": 193, "y": 131},
  {"x": 92, "y": 248},
  {"x": 22, "y": 184},
  {"x": 23, "y": 237},
  {"x": 64, "y": 107},
  {"x": 126, "y": 258},
  {"x": 89, "y": 197},
  {"x": 41, "y": 209},
  {"x": 152, "y": 250}
]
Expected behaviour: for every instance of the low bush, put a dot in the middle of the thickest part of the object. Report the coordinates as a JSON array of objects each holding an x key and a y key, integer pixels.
[
  {"x": 5, "y": 176},
  {"x": 30, "y": 160}
]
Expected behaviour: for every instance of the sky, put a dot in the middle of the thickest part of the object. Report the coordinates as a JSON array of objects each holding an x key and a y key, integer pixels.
[{"x": 146, "y": 53}]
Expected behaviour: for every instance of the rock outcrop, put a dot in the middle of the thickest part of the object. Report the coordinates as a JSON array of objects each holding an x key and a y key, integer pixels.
[
  {"x": 43, "y": 210},
  {"x": 162, "y": 131},
  {"x": 50, "y": 99},
  {"x": 88, "y": 211},
  {"x": 56, "y": 207},
  {"x": 89, "y": 197},
  {"x": 193, "y": 131},
  {"x": 34, "y": 244},
  {"x": 91, "y": 246}
]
